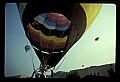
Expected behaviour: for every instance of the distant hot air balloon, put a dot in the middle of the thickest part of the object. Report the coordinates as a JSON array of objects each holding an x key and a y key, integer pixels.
[
  {"x": 53, "y": 28},
  {"x": 27, "y": 48},
  {"x": 96, "y": 39},
  {"x": 82, "y": 65}
]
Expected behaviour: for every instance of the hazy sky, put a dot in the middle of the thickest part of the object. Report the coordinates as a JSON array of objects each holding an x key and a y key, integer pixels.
[{"x": 86, "y": 51}]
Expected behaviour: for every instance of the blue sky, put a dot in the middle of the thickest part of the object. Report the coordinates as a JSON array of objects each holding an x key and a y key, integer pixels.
[{"x": 86, "y": 51}]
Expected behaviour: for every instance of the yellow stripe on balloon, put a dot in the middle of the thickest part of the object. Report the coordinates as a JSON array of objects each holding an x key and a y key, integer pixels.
[
  {"x": 54, "y": 38},
  {"x": 91, "y": 10}
]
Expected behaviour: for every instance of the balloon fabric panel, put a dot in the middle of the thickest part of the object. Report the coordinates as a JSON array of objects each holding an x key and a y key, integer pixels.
[
  {"x": 46, "y": 41},
  {"x": 53, "y": 21}
]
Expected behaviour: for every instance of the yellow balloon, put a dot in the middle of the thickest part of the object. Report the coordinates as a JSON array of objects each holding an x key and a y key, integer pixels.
[
  {"x": 81, "y": 21},
  {"x": 91, "y": 10}
]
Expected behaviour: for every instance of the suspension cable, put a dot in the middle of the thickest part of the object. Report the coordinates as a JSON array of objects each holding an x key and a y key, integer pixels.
[
  {"x": 54, "y": 47},
  {"x": 32, "y": 60},
  {"x": 61, "y": 62},
  {"x": 48, "y": 40},
  {"x": 41, "y": 45}
]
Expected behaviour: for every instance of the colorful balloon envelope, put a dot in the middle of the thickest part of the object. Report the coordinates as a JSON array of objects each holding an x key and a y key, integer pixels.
[{"x": 53, "y": 28}]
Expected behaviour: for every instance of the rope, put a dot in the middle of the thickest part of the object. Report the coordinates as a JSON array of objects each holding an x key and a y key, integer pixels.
[
  {"x": 32, "y": 61},
  {"x": 54, "y": 47},
  {"x": 48, "y": 40},
  {"x": 41, "y": 47},
  {"x": 61, "y": 62}
]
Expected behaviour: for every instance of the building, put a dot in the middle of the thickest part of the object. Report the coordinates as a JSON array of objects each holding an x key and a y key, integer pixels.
[
  {"x": 107, "y": 70},
  {"x": 59, "y": 74}
]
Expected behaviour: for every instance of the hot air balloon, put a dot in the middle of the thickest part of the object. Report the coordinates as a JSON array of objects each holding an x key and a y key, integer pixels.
[
  {"x": 27, "y": 48},
  {"x": 96, "y": 39},
  {"x": 53, "y": 28}
]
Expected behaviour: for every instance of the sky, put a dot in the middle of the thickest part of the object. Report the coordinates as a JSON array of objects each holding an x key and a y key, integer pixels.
[{"x": 86, "y": 51}]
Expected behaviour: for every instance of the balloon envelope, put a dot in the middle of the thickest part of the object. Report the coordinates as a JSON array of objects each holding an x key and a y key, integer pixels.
[
  {"x": 96, "y": 39},
  {"x": 27, "y": 48},
  {"x": 53, "y": 28}
]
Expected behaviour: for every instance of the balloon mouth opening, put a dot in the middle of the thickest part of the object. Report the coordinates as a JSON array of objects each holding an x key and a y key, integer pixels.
[{"x": 46, "y": 52}]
